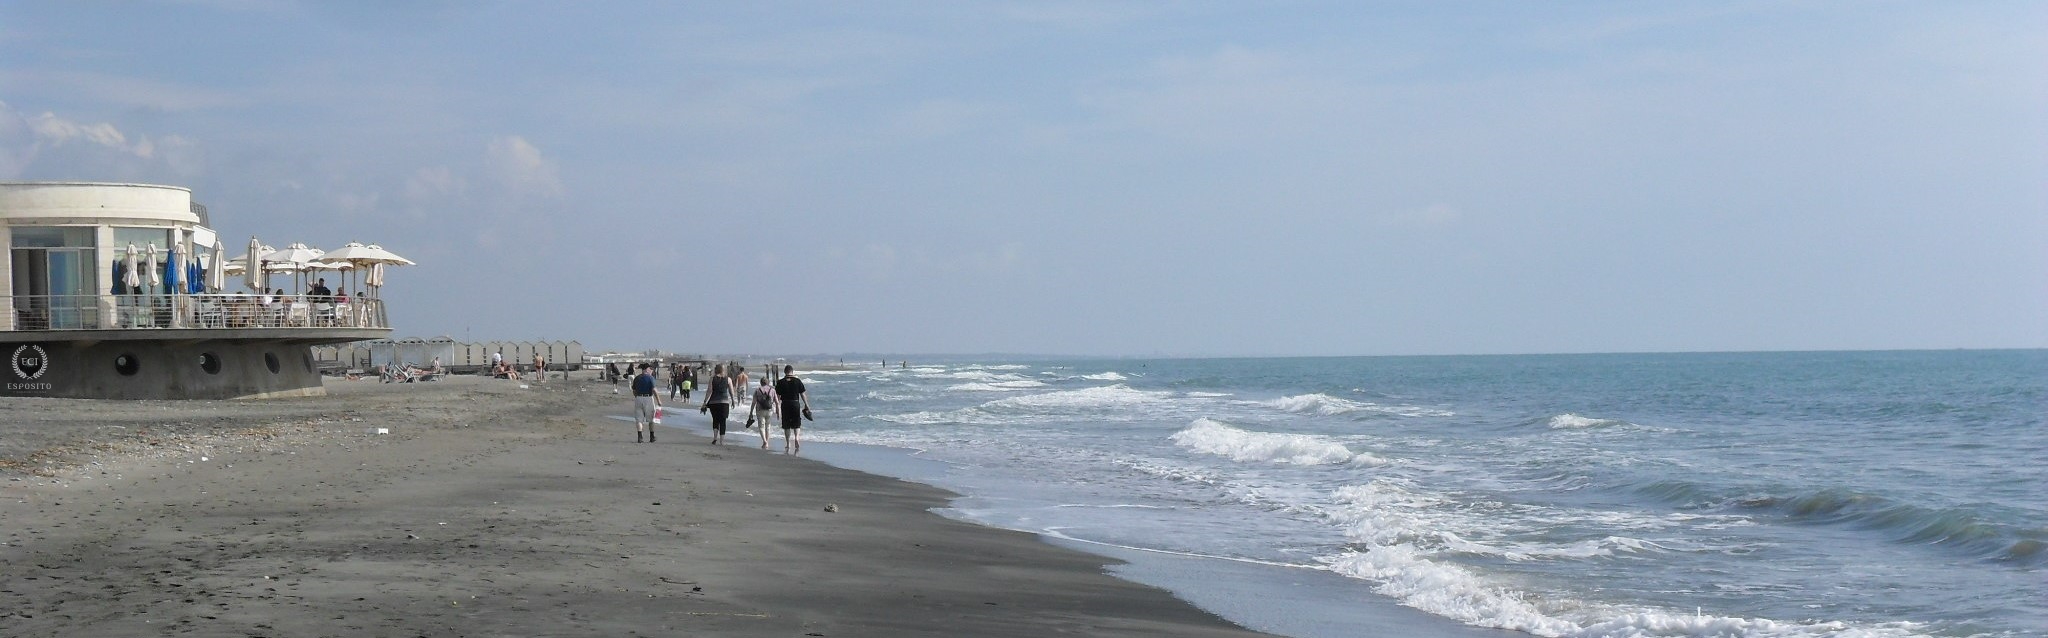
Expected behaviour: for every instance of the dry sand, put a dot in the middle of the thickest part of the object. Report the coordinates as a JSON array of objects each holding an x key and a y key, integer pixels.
[{"x": 488, "y": 510}]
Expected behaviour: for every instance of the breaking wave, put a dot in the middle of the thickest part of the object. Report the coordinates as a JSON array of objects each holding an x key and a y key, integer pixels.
[
  {"x": 998, "y": 386},
  {"x": 1325, "y": 405},
  {"x": 1214, "y": 437}
]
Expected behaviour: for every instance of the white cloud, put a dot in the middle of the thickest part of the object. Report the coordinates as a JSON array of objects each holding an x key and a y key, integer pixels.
[
  {"x": 521, "y": 168},
  {"x": 434, "y": 183},
  {"x": 99, "y": 148}
]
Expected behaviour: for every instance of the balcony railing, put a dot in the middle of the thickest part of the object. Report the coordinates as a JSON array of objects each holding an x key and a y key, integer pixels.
[{"x": 201, "y": 311}]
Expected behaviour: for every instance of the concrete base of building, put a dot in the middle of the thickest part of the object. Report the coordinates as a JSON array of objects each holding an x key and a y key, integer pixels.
[{"x": 160, "y": 369}]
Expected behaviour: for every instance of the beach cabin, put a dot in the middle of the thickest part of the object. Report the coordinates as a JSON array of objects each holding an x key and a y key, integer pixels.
[{"x": 117, "y": 291}]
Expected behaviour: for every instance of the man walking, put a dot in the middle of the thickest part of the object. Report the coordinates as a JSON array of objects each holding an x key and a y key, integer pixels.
[
  {"x": 645, "y": 403},
  {"x": 796, "y": 407}
]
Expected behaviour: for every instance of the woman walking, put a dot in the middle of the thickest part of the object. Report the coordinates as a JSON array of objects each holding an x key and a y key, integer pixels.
[{"x": 718, "y": 401}]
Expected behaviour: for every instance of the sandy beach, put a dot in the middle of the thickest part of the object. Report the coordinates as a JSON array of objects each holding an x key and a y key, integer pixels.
[{"x": 490, "y": 510}]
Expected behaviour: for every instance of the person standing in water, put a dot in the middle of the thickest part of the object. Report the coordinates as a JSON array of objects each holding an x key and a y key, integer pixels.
[
  {"x": 795, "y": 406},
  {"x": 718, "y": 401},
  {"x": 645, "y": 403}
]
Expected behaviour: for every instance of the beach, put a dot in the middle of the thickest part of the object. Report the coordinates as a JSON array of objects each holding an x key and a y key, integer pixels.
[{"x": 473, "y": 507}]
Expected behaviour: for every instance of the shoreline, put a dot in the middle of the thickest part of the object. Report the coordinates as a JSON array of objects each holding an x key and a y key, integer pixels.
[{"x": 493, "y": 510}]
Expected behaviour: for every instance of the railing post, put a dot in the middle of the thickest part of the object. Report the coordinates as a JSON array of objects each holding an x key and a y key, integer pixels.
[{"x": 109, "y": 312}]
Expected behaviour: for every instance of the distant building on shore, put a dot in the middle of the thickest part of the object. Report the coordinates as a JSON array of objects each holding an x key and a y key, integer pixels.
[{"x": 118, "y": 291}]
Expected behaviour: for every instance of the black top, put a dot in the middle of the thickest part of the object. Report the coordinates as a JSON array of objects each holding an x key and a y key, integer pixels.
[{"x": 791, "y": 389}]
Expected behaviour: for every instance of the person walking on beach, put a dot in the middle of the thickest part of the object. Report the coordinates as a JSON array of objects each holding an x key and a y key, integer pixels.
[
  {"x": 762, "y": 410},
  {"x": 718, "y": 401},
  {"x": 540, "y": 367},
  {"x": 739, "y": 378},
  {"x": 675, "y": 382},
  {"x": 645, "y": 403},
  {"x": 796, "y": 406}
]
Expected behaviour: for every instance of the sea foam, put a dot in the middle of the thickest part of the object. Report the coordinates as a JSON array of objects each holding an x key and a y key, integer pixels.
[
  {"x": 997, "y": 386},
  {"x": 1569, "y": 421},
  {"x": 1214, "y": 437},
  {"x": 1325, "y": 405},
  {"x": 1402, "y": 533}
]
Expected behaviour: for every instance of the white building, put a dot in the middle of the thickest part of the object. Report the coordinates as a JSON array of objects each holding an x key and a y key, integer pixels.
[{"x": 77, "y": 324}]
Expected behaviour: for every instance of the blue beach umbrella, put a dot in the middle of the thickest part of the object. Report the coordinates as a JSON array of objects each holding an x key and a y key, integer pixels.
[{"x": 173, "y": 282}]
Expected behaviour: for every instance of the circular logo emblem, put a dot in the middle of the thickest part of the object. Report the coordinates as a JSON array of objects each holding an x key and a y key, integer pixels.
[{"x": 30, "y": 362}]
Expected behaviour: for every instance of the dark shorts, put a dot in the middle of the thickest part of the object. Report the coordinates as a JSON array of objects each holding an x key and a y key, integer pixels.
[{"x": 792, "y": 416}]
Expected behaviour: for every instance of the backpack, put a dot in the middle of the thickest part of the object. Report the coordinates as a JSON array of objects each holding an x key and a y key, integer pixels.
[{"x": 762, "y": 400}]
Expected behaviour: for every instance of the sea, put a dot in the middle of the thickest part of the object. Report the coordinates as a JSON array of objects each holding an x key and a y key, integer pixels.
[{"x": 1841, "y": 494}]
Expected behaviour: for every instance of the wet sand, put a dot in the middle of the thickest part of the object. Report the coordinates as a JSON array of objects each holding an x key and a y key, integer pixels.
[{"x": 488, "y": 510}]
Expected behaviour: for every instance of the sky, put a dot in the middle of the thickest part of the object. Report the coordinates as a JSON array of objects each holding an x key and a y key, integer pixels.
[{"x": 1096, "y": 178}]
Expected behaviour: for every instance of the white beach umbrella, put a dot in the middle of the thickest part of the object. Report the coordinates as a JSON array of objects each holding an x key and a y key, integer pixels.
[
  {"x": 133, "y": 278},
  {"x": 216, "y": 274},
  {"x": 353, "y": 255},
  {"x": 364, "y": 258},
  {"x": 388, "y": 257},
  {"x": 296, "y": 254},
  {"x": 375, "y": 259},
  {"x": 352, "y": 252},
  {"x": 156, "y": 276},
  {"x": 293, "y": 259},
  {"x": 253, "y": 275}
]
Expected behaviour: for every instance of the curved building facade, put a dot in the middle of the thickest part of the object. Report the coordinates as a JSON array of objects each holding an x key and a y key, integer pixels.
[{"x": 104, "y": 295}]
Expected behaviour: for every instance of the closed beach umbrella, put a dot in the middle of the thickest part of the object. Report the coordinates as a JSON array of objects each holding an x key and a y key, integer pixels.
[
  {"x": 252, "y": 270},
  {"x": 174, "y": 272},
  {"x": 156, "y": 278},
  {"x": 216, "y": 275},
  {"x": 134, "y": 277}
]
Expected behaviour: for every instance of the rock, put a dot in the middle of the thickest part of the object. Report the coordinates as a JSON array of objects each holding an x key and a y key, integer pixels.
[{"x": 833, "y": 507}]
